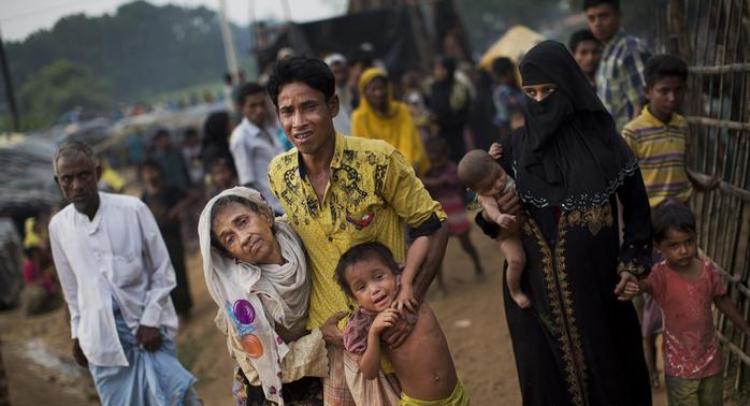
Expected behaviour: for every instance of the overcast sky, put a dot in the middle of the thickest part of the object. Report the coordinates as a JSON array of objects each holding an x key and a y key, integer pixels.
[{"x": 19, "y": 18}]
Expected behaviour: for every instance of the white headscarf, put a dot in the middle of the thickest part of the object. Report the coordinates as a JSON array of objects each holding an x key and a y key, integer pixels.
[{"x": 237, "y": 288}]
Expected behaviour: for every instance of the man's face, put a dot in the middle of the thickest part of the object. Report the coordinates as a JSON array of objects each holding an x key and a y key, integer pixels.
[
  {"x": 587, "y": 55},
  {"x": 307, "y": 118},
  {"x": 604, "y": 21},
  {"x": 254, "y": 108},
  {"x": 77, "y": 177},
  {"x": 340, "y": 73}
]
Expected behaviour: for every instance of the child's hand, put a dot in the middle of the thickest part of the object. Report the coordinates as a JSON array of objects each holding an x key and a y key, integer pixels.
[
  {"x": 496, "y": 151},
  {"x": 385, "y": 319},
  {"x": 406, "y": 299},
  {"x": 506, "y": 220}
]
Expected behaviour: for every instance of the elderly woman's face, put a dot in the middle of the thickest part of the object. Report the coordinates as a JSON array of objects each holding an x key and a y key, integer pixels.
[
  {"x": 245, "y": 234},
  {"x": 539, "y": 92}
]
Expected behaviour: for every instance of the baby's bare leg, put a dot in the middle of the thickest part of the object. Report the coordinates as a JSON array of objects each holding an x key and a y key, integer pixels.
[{"x": 512, "y": 249}]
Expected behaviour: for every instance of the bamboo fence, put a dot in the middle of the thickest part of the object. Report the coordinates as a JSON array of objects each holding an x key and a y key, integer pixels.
[{"x": 713, "y": 36}]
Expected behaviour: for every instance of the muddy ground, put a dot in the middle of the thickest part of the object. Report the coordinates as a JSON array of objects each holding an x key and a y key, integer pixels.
[{"x": 40, "y": 370}]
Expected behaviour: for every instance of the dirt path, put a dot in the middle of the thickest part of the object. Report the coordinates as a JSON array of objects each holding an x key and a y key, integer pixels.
[{"x": 471, "y": 315}]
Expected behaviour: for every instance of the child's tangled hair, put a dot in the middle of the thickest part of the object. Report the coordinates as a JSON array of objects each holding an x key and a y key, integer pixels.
[
  {"x": 674, "y": 216},
  {"x": 363, "y": 252}
]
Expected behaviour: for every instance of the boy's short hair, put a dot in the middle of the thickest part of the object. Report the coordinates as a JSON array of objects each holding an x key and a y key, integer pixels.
[
  {"x": 474, "y": 166},
  {"x": 661, "y": 66},
  {"x": 580, "y": 36},
  {"x": 676, "y": 216},
  {"x": 310, "y": 71},
  {"x": 615, "y": 4},
  {"x": 248, "y": 89},
  {"x": 363, "y": 252}
]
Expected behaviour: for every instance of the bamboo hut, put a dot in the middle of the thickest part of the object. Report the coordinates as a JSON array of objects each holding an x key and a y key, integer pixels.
[{"x": 713, "y": 37}]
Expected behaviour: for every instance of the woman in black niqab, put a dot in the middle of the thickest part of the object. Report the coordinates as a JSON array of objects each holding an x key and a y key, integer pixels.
[{"x": 578, "y": 344}]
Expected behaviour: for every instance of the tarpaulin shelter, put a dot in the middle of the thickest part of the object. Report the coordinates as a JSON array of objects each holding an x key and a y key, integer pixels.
[
  {"x": 389, "y": 31},
  {"x": 513, "y": 44}
]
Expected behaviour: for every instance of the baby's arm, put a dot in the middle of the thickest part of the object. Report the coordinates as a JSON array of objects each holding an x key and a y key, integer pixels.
[
  {"x": 415, "y": 257},
  {"x": 491, "y": 208},
  {"x": 726, "y": 306},
  {"x": 369, "y": 363}
]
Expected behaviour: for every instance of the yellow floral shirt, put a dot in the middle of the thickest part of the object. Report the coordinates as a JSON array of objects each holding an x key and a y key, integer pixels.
[{"x": 372, "y": 194}]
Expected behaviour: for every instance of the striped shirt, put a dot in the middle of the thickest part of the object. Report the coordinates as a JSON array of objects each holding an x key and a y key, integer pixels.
[
  {"x": 661, "y": 150},
  {"x": 619, "y": 78}
]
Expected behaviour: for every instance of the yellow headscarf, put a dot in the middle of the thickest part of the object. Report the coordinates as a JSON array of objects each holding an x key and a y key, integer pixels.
[{"x": 396, "y": 127}]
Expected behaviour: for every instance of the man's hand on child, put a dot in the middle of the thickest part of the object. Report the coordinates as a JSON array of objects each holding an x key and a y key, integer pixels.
[
  {"x": 496, "y": 151},
  {"x": 385, "y": 319},
  {"x": 331, "y": 332},
  {"x": 396, "y": 335},
  {"x": 406, "y": 299}
]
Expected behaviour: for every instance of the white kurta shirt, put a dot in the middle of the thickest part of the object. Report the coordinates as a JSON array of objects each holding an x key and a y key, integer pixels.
[
  {"x": 118, "y": 255},
  {"x": 252, "y": 151}
]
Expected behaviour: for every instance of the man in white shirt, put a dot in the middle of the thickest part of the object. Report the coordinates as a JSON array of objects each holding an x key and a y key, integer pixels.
[
  {"x": 254, "y": 142},
  {"x": 116, "y": 276}
]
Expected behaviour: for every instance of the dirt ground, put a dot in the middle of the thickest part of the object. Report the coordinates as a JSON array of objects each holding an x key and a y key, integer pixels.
[{"x": 40, "y": 370}]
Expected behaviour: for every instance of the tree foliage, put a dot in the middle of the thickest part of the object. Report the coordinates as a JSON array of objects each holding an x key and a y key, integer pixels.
[
  {"x": 60, "y": 87},
  {"x": 140, "y": 50}
]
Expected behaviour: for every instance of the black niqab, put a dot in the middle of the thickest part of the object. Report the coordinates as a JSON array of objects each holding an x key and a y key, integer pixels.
[{"x": 571, "y": 154}]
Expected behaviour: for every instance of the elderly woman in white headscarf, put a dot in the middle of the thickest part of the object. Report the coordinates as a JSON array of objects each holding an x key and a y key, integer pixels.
[{"x": 255, "y": 270}]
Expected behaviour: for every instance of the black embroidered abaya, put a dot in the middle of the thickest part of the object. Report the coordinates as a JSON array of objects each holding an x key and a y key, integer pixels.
[{"x": 577, "y": 345}]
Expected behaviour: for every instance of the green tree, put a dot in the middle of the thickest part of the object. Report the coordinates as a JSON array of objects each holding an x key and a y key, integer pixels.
[{"x": 60, "y": 87}]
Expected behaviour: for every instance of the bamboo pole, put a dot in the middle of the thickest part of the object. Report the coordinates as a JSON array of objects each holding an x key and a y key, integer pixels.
[
  {"x": 719, "y": 69},
  {"x": 718, "y": 123}
]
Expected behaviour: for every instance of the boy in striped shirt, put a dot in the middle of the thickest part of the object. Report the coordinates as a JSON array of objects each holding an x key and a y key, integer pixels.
[{"x": 659, "y": 138}]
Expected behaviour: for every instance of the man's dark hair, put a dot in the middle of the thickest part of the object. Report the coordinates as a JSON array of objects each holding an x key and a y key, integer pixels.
[
  {"x": 502, "y": 66},
  {"x": 310, "y": 71},
  {"x": 248, "y": 89},
  {"x": 363, "y": 252},
  {"x": 581, "y": 36},
  {"x": 151, "y": 164},
  {"x": 675, "y": 216},
  {"x": 662, "y": 66},
  {"x": 587, "y": 4}
]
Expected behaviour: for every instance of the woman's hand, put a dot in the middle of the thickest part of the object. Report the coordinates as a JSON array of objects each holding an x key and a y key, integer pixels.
[
  {"x": 385, "y": 319},
  {"x": 331, "y": 332},
  {"x": 505, "y": 221},
  {"x": 627, "y": 287},
  {"x": 406, "y": 299}
]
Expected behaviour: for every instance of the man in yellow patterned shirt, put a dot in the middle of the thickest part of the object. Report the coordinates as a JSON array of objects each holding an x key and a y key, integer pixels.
[{"x": 341, "y": 191}]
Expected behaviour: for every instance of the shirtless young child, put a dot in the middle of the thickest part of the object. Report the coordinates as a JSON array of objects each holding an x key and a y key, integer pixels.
[
  {"x": 368, "y": 273},
  {"x": 479, "y": 171}
]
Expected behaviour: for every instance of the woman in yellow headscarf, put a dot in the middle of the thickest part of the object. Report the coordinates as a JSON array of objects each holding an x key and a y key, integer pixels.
[{"x": 379, "y": 116}]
